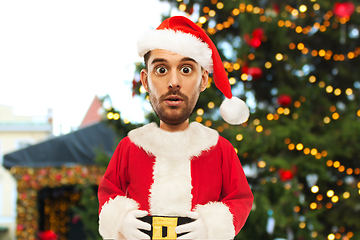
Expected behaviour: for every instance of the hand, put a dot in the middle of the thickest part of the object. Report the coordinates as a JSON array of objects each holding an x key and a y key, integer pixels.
[
  {"x": 196, "y": 229},
  {"x": 131, "y": 225}
]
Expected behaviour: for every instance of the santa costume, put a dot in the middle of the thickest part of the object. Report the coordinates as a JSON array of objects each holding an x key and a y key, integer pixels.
[{"x": 173, "y": 173}]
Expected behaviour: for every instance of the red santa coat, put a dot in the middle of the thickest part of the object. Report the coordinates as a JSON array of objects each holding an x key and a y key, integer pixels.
[{"x": 172, "y": 173}]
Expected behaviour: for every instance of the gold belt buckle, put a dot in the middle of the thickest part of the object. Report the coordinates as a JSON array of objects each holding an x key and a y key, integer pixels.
[{"x": 161, "y": 224}]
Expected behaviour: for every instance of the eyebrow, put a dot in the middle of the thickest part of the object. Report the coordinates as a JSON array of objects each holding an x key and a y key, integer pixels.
[{"x": 157, "y": 60}]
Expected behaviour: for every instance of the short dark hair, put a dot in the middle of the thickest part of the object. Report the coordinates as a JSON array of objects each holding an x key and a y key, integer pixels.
[{"x": 146, "y": 59}]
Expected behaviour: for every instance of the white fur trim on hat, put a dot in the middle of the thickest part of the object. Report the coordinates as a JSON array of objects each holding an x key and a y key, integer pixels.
[
  {"x": 112, "y": 216},
  {"x": 234, "y": 111},
  {"x": 178, "y": 42},
  {"x": 218, "y": 220}
]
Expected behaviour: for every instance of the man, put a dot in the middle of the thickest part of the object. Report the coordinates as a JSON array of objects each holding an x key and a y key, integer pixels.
[{"x": 177, "y": 180}]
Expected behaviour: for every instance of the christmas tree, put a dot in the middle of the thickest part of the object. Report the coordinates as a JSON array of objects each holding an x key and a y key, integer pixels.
[{"x": 296, "y": 63}]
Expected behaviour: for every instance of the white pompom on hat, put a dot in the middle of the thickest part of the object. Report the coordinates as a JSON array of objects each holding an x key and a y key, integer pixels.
[{"x": 180, "y": 35}]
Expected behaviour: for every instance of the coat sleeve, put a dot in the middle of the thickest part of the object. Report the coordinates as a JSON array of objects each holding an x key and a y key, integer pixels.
[
  {"x": 225, "y": 218},
  {"x": 113, "y": 203},
  {"x": 236, "y": 192}
]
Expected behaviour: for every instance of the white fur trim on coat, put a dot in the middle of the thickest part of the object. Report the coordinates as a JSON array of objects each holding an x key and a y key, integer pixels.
[
  {"x": 178, "y": 42},
  {"x": 112, "y": 215},
  {"x": 170, "y": 193},
  {"x": 218, "y": 220}
]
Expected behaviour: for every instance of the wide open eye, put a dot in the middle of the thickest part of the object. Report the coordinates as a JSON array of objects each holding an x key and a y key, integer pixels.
[
  {"x": 161, "y": 70},
  {"x": 186, "y": 70}
]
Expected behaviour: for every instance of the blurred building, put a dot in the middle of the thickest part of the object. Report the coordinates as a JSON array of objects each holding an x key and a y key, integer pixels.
[{"x": 16, "y": 132}]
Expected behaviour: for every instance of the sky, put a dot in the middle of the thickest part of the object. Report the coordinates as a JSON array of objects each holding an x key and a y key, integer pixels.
[{"x": 60, "y": 54}]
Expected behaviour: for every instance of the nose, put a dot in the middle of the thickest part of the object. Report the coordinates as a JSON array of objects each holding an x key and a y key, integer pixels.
[{"x": 174, "y": 81}]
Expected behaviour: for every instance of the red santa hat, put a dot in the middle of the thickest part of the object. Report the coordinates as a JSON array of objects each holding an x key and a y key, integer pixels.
[{"x": 180, "y": 35}]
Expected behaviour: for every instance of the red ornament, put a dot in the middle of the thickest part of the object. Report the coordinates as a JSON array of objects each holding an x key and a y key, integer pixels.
[
  {"x": 255, "y": 72},
  {"x": 58, "y": 177},
  {"x": 255, "y": 41},
  {"x": 47, "y": 235},
  {"x": 284, "y": 100},
  {"x": 276, "y": 8},
  {"x": 285, "y": 175},
  {"x": 344, "y": 9}
]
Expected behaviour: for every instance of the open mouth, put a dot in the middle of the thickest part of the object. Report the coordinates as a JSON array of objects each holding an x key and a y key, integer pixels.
[{"x": 173, "y": 100}]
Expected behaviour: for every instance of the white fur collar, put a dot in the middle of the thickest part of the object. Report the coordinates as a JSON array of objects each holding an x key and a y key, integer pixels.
[
  {"x": 170, "y": 193},
  {"x": 190, "y": 142}
]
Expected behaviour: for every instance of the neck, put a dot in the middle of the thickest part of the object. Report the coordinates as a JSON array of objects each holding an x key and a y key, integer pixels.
[{"x": 174, "y": 128}]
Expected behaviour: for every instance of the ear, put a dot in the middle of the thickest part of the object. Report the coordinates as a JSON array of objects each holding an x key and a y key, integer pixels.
[
  {"x": 204, "y": 80},
  {"x": 144, "y": 78}
]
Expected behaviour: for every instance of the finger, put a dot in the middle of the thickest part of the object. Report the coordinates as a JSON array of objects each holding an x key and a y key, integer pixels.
[
  {"x": 143, "y": 225},
  {"x": 140, "y": 213},
  {"x": 193, "y": 215},
  {"x": 184, "y": 228},
  {"x": 190, "y": 235},
  {"x": 140, "y": 235}
]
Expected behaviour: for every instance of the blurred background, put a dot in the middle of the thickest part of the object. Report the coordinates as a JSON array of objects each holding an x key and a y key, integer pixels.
[{"x": 70, "y": 90}]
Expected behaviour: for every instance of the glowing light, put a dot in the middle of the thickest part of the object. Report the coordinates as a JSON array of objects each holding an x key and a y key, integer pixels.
[
  {"x": 314, "y": 189},
  {"x": 319, "y": 197},
  {"x": 306, "y": 151},
  {"x": 329, "y": 163},
  {"x": 142, "y": 89},
  {"x": 299, "y": 146},
  {"x": 182, "y": 7},
  {"x": 236, "y": 12},
  {"x": 206, "y": 9},
  {"x": 346, "y": 195},
  {"x": 268, "y": 65},
  {"x": 279, "y": 57},
  {"x": 314, "y": 151},
  {"x": 335, "y": 199},
  {"x": 327, "y": 120},
  {"x": 259, "y": 128},
  {"x": 212, "y": 13},
  {"x": 337, "y": 91},
  {"x": 236, "y": 66},
  {"x": 349, "y": 91},
  {"x": 116, "y": 116},
  {"x": 302, "y": 224},
  {"x": 261, "y": 164},
  {"x": 110, "y": 115},
  {"x": 239, "y": 137},
  {"x": 312, "y": 79},
  {"x": 244, "y": 77},
  {"x": 280, "y": 110},
  {"x": 332, "y": 109},
  {"x": 303, "y": 8},
  {"x": 330, "y": 193},
  {"x": 232, "y": 81},
  {"x": 211, "y": 105},
  {"x": 335, "y": 116},
  {"x": 200, "y": 112},
  {"x": 294, "y": 12},
  {"x": 336, "y": 164},
  {"x": 314, "y": 234},
  {"x": 321, "y": 84},
  {"x": 296, "y": 209},
  {"x": 316, "y": 6},
  {"x": 202, "y": 20},
  {"x": 313, "y": 205},
  {"x": 126, "y": 121},
  {"x": 297, "y": 104},
  {"x": 291, "y": 146},
  {"x": 208, "y": 123},
  {"x": 329, "y": 89},
  {"x": 286, "y": 111},
  {"x": 331, "y": 236},
  {"x": 220, "y": 5},
  {"x": 198, "y": 119},
  {"x": 300, "y": 46}
]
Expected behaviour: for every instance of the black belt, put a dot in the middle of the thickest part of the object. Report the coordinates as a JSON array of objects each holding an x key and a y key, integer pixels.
[{"x": 164, "y": 227}]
